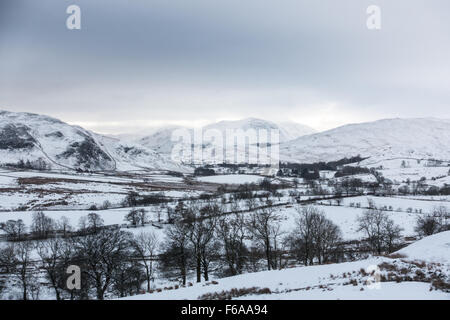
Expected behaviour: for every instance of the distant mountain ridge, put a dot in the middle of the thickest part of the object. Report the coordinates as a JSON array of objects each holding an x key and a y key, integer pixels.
[
  {"x": 161, "y": 140},
  {"x": 33, "y": 137},
  {"x": 381, "y": 139}
]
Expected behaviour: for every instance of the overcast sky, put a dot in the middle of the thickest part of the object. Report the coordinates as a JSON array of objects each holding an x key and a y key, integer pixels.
[{"x": 145, "y": 62}]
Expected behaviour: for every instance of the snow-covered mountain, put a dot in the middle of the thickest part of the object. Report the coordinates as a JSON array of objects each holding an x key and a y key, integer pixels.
[
  {"x": 293, "y": 130},
  {"x": 379, "y": 140},
  {"x": 25, "y": 136},
  {"x": 288, "y": 130},
  {"x": 161, "y": 140},
  {"x": 382, "y": 139},
  {"x": 38, "y": 138}
]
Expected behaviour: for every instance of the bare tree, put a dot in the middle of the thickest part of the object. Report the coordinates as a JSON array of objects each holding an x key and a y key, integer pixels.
[
  {"x": 68, "y": 256},
  {"x": 326, "y": 237},
  {"x": 264, "y": 228},
  {"x": 427, "y": 225},
  {"x": 63, "y": 224},
  {"x": 101, "y": 253},
  {"x": 304, "y": 234},
  {"x": 232, "y": 233},
  {"x": 23, "y": 266},
  {"x": 133, "y": 217},
  {"x": 176, "y": 250},
  {"x": 42, "y": 225},
  {"x": 127, "y": 278},
  {"x": 315, "y": 236},
  {"x": 136, "y": 217},
  {"x": 51, "y": 251},
  {"x": 94, "y": 222},
  {"x": 392, "y": 235},
  {"x": 15, "y": 229},
  {"x": 434, "y": 222},
  {"x": 7, "y": 259},
  {"x": 380, "y": 231},
  {"x": 145, "y": 246},
  {"x": 201, "y": 225}
]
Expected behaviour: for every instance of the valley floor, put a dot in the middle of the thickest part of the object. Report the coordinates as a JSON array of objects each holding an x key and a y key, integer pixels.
[{"x": 72, "y": 195}]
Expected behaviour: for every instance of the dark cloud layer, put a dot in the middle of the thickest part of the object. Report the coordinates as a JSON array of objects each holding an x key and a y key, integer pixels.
[{"x": 138, "y": 63}]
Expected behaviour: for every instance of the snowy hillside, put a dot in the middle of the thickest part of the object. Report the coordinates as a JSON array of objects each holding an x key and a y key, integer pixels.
[
  {"x": 288, "y": 130},
  {"x": 160, "y": 140},
  {"x": 373, "y": 278},
  {"x": 42, "y": 139},
  {"x": 382, "y": 139},
  {"x": 378, "y": 140},
  {"x": 435, "y": 248}
]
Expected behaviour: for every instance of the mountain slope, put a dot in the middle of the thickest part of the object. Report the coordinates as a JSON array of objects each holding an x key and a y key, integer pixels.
[
  {"x": 132, "y": 156},
  {"x": 288, "y": 130},
  {"x": 382, "y": 139},
  {"x": 293, "y": 130},
  {"x": 42, "y": 139},
  {"x": 160, "y": 140}
]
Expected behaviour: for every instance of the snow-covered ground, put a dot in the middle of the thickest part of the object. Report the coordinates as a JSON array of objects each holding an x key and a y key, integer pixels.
[
  {"x": 69, "y": 190},
  {"x": 344, "y": 215},
  {"x": 231, "y": 179},
  {"x": 350, "y": 280},
  {"x": 433, "y": 175},
  {"x": 435, "y": 248},
  {"x": 69, "y": 194}
]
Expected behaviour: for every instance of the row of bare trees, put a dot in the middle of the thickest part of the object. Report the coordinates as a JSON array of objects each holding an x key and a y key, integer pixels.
[
  {"x": 205, "y": 238},
  {"x": 201, "y": 240},
  {"x": 43, "y": 226},
  {"x": 112, "y": 262},
  {"x": 315, "y": 238},
  {"x": 381, "y": 232}
]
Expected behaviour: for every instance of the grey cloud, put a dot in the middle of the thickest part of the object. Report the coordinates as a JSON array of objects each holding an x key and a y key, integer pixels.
[{"x": 198, "y": 59}]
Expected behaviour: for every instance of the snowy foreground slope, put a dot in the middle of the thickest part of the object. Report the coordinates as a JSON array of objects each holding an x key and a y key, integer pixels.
[
  {"x": 400, "y": 276},
  {"x": 30, "y": 137},
  {"x": 382, "y": 139},
  {"x": 435, "y": 248}
]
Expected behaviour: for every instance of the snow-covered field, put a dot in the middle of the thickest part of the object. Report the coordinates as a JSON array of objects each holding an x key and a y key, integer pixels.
[
  {"x": 435, "y": 248},
  {"x": 69, "y": 195},
  {"x": 68, "y": 190},
  {"x": 426, "y": 205},
  {"x": 404, "y": 211},
  {"x": 231, "y": 179}
]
